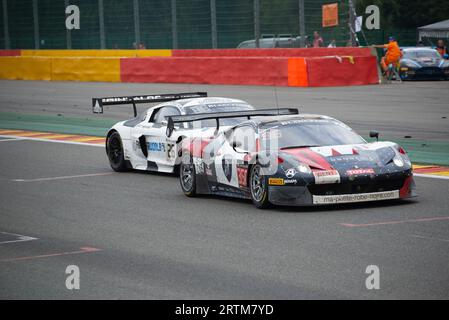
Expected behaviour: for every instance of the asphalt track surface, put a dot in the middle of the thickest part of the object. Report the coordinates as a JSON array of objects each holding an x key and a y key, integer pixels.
[{"x": 136, "y": 236}]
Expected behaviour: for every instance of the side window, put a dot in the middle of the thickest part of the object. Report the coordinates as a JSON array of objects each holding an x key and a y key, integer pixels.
[
  {"x": 162, "y": 114},
  {"x": 244, "y": 138}
]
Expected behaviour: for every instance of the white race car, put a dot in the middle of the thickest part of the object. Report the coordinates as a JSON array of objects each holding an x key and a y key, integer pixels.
[{"x": 143, "y": 143}]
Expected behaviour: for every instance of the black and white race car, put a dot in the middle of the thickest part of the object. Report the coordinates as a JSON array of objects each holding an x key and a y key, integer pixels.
[
  {"x": 293, "y": 160},
  {"x": 141, "y": 143}
]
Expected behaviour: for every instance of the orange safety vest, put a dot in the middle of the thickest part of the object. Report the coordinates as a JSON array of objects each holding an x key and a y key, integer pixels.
[{"x": 393, "y": 52}]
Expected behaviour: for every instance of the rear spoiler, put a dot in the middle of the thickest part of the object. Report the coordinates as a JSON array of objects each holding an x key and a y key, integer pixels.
[
  {"x": 98, "y": 103},
  {"x": 172, "y": 120}
]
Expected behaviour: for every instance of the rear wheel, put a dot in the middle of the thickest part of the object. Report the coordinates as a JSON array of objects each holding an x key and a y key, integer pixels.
[
  {"x": 115, "y": 153},
  {"x": 259, "y": 187},
  {"x": 187, "y": 176}
]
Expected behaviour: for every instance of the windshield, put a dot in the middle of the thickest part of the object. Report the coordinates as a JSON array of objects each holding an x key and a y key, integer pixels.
[
  {"x": 421, "y": 54},
  {"x": 309, "y": 133},
  {"x": 218, "y": 107}
]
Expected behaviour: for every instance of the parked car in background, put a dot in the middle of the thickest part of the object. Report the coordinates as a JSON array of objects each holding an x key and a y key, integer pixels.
[
  {"x": 272, "y": 41},
  {"x": 421, "y": 63}
]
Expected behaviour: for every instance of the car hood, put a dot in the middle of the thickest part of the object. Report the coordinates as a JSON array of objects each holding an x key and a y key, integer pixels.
[
  {"x": 425, "y": 61},
  {"x": 345, "y": 158}
]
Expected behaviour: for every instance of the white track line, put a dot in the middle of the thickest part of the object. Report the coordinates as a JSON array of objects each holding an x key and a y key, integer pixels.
[
  {"x": 21, "y": 238},
  {"x": 423, "y": 175},
  {"x": 56, "y": 141},
  {"x": 102, "y": 146},
  {"x": 64, "y": 177},
  {"x": 12, "y": 139}
]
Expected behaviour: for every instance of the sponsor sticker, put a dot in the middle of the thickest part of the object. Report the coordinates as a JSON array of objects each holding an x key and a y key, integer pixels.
[
  {"x": 360, "y": 197},
  {"x": 290, "y": 173},
  {"x": 353, "y": 172},
  {"x": 290, "y": 181},
  {"x": 276, "y": 181},
  {"x": 326, "y": 176},
  {"x": 156, "y": 146}
]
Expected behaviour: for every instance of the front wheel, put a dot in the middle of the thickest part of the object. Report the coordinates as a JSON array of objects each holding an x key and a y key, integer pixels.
[
  {"x": 187, "y": 176},
  {"x": 259, "y": 187}
]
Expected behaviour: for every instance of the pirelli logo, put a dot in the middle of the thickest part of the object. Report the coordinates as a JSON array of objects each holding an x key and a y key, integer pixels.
[{"x": 276, "y": 181}]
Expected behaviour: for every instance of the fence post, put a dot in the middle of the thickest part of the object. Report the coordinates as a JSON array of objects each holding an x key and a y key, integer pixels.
[
  {"x": 352, "y": 18},
  {"x": 136, "y": 23},
  {"x": 101, "y": 23},
  {"x": 174, "y": 25},
  {"x": 302, "y": 25},
  {"x": 257, "y": 22},
  {"x": 36, "y": 25},
  {"x": 213, "y": 22},
  {"x": 5, "y": 24},
  {"x": 68, "y": 32}
]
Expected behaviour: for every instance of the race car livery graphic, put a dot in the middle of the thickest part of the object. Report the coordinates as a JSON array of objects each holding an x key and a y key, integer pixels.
[
  {"x": 294, "y": 160},
  {"x": 141, "y": 143}
]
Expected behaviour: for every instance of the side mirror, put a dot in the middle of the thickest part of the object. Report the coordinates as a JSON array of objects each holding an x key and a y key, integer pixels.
[
  {"x": 374, "y": 134},
  {"x": 164, "y": 122}
]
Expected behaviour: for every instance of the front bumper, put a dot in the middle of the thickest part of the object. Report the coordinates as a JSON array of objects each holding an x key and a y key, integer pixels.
[
  {"x": 302, "y": 196},
  {"x": 425, "y": 73}
]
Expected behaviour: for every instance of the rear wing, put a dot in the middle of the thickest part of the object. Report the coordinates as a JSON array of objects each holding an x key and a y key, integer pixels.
[
  {"x": 98, "y": 103},
  {"x": 172, "y": 120}
]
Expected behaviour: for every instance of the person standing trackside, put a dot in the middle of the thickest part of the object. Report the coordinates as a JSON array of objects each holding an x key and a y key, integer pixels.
[
  {"x": 318, "y": 41},
  {"x": 393, "y": 54},
  {"x": 441, "y": 48}
]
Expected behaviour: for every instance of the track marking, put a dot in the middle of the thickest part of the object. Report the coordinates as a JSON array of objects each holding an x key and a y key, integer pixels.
[
  {"x": 425, "y": 171},
  {"x": 20, "y": 238},
  {"x": 11, "y": 139},
  {"x": 82, "y": 250},
  {"x": 64, "y": 177},
  {"x": 422, "y": 175},
  {"x": 351, "y": 225},
  {"x": 57, "y": 141},
  {"x": 430, "y": 238}
]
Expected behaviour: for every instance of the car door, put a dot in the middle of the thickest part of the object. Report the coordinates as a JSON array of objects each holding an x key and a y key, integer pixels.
[
  {"x": 154, "y": 131},
  {"x": 231, "y": 155}
]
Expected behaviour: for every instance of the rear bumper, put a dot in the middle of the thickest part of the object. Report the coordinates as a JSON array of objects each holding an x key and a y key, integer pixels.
[{"x": 301, "y": 196}]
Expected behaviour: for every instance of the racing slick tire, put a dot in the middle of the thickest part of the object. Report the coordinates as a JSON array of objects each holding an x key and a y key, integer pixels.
[
  {"x": 115, "y": 152},
  {"x": 259, "y": 187},
  {"x": 187, "y": 176}
]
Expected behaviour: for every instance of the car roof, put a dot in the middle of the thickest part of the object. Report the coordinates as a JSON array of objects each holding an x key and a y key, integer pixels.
[
  {"x": 418, "y": 49},
  {"x": 182, "y": 104},
  {"x": 208, "y": 100}
]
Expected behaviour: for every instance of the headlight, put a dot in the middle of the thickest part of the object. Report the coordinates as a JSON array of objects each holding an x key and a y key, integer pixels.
[
  {"x": 303, "y": 168},
  {"x": 398, "y": 161},
  {"x": 409, "y": 64}
]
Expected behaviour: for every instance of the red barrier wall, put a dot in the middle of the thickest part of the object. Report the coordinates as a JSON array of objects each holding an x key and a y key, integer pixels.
[
  {"x": 293, "y": 52},
  {"x": 9, "y": 53},
  {"x": 326, "y": 72},
  {"x": 225, "y": 70}
]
